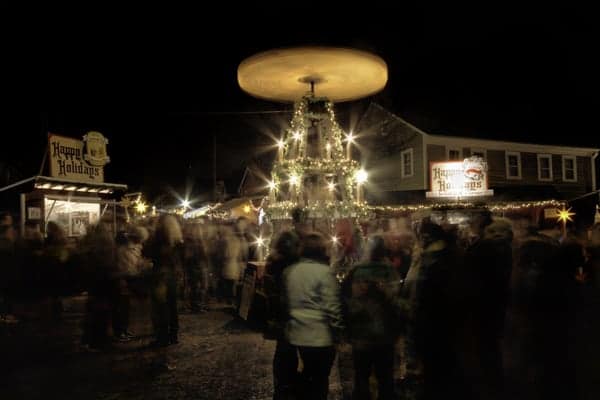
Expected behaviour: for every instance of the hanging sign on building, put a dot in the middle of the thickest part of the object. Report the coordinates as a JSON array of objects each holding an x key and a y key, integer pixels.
[
  {"x": 78, "y": 160},
  {"x": 550, "y": 213},
  {"x": 466, "y": 178}
]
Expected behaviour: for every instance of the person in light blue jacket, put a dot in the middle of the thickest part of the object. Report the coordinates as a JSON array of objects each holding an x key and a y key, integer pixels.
[{"x": 315, "y": 315}]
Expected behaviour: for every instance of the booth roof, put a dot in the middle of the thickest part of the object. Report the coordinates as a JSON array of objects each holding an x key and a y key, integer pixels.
[
  {"x": 233, "y": 203},
  {"x": 46, "y": 182}
]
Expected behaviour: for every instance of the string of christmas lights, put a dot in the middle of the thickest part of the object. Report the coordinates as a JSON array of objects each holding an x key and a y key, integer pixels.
[
  {"x": 495, "y": 207},
  {"x": 311, "y": 171}
]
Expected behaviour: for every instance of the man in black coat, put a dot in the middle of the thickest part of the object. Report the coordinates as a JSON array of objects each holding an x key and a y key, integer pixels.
[{"x": 488, "y": 263}]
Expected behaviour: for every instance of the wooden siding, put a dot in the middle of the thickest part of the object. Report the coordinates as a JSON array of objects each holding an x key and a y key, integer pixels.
[
  {"x": 496, "y": 168},
  {"x": 435, "y": 153},
  {"x": 382, "y": 138},
  {"x": 584, "y": 173},
  {"x": 529, "y": 173}
]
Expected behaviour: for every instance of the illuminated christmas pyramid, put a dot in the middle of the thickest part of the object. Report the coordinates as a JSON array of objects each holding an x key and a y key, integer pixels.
[
  {"x": 314, "y": 175},
  {"x": 314, "y": 171}
]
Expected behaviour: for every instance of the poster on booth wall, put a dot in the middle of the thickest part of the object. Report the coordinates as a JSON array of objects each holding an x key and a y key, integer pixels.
[
  {"x": 34, "y": 213},
  {"x": 79, "y": 223},
  {"x": 466, "y": 178}
]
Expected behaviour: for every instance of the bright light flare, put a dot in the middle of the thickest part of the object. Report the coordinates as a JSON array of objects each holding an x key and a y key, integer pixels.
[
  {"x": 564, "y": 215},
  {"x": 185, "y": 203},
  {"x": 140, "y": 207},
  {"x": 259, "y": 241},
  {"x": 350, "y": 138},
  {"x": 280, "y": 143},
  {"x": 361, "y": 176},
  {"x": 297, "y": 135},
  {"x": 331, "y": 186},
  {"x": 271, "y": 185},
  {"x": 294, "y": 179}
]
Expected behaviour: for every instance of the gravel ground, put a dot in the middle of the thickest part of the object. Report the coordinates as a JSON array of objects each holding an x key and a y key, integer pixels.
[{"x": 219, "y": 357}]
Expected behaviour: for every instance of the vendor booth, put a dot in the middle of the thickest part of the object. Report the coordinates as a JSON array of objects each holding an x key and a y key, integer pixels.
[{"x": 74, "y": 195}]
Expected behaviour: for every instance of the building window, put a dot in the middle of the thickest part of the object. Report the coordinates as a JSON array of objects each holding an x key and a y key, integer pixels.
[
  {"x": 513, "y": 165},
  {"x": 569, "y": 168},
  {"x": 454, "y": 154},
  {"x": 407, "y": 163},
  {"x": 478, "y": 153},
  {"x": 544, "y": 162}
]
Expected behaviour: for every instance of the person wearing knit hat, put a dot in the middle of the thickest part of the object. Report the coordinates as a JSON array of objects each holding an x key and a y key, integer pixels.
[{"x": 499, "y": 229}]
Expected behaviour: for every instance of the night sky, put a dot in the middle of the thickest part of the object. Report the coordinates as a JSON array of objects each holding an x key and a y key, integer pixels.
[{"x": 160, "y": 86}]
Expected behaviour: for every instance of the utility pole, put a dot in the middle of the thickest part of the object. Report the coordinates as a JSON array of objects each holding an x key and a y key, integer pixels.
[
  {"x": 45, "y": 136},
  {"x": 214, "y": 166}
]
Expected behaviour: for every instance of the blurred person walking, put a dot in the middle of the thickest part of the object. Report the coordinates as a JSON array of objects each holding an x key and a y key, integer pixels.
[
  {"x": 286, "y": 251},
  {"x": 165, "y": 252},
  {"x": 373, "y": 319}
]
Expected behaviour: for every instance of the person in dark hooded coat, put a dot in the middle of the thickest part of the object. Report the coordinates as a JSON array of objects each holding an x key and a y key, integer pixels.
[
  {"x": 488, "y": 263},
  {"x": 373, "y": 319}
]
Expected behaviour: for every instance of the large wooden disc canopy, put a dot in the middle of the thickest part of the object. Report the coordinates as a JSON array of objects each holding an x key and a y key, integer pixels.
[{"x": 340, "y": 74}]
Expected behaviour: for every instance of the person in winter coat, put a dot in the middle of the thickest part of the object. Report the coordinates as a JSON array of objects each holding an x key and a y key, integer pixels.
[
  {"x": 130, "y": 264},
  {"x": 556, "y": 331},
  {"x": 373, "y": 319},
  {"x": 488, "y": 263},
  {"x": 99, "y": 257},
  {"x": 349, "y": 251},
  {"x": 30, "y": 250},
  {"x": 57, "y": 268},
  {"x": 315, "y": 315},
  {"x": 535, "y": 255},
  {"x": 429, "y": 292},
  {"x": 286, "y": 252},
  {"x": 233, "y": 263},
  {"x": 195, "y": 262},
  {"x": 400, "y": 245},
  {"x": 165, "y": 252}
]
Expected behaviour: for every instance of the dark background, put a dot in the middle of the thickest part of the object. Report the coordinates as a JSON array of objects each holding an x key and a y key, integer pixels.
[{"x": 159, "y": 84}]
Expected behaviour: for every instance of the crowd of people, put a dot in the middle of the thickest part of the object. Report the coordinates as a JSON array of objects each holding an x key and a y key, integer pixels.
[
  {"x": 174, "y": 264},
  {"x": 475, "y": 312}
]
